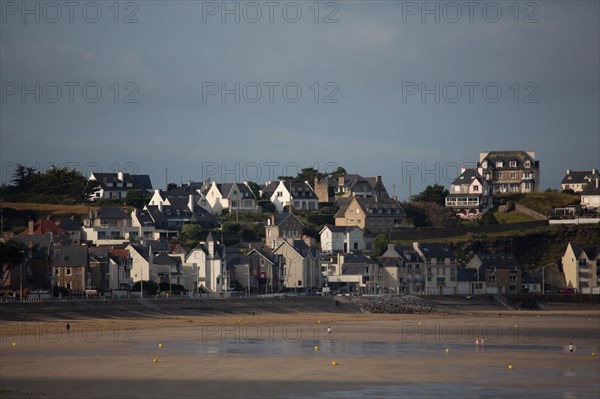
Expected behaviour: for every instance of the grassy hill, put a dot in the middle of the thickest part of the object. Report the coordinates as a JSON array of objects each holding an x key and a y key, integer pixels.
[{"x": 538, "y": 201}]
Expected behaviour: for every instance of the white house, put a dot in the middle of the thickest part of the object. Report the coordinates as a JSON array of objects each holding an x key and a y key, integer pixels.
[
  {"x": 234, "y": 197},
  {"x": 116, "y": 185},
  {"x": 590, "y": 196},
  {"x": 470, "y": 194},
  {"x": 206, "y": 263},
  {"x": 299, "y": 195},
  {"x": 441, "y": 269},
  {"x": 342, "y": 238}
]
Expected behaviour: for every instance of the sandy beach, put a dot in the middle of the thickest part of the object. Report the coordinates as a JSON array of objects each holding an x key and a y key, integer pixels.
[{"x": 291, "y": 355}]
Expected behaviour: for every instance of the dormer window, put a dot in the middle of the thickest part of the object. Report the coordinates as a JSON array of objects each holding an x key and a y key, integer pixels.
[
  {"x": 484, "y": 165},
  {"x": 475, "y": 188},
  {"x": 513, "y": 164},
  {"x": 527, "y": 164},
  {"x": 499, "y": 164}
]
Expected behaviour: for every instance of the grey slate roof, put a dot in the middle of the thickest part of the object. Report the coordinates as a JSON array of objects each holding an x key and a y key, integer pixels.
[
  {"x": 141, "y": 182},
  {"x": 437, "y": 251},
  {"x": 70, "y": 255},
  {"x": 591, "y": 251},
  {"x": 579, "y": 177},
  {"x": 467, "y": 177},
  {"x": 497, "y": 260},
  {"x": 507, "y": 156},
  {"x": 111, "y": 213}
]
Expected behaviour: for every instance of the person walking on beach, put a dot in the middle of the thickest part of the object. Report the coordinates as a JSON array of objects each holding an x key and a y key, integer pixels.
[
  {"x": 477, "y": 340},
  {"x": 571, "y": 348},
  {"x": 68, "y": 326},
  {"x": 482, "y": 341},
  {"x": 328, "y": 330}
]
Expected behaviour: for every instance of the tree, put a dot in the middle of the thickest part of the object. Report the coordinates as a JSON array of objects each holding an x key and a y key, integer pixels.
[
  {"x": 191, "y": 234},
  {"x": 11, "y": 256},
  {"x": 339, "y": 172},
  {"x": 150, "y": 287},
  {"x": 88, "y": 190},
  {"x": 488, "y": 218},
  {"x": 136, "y": 198},
  {"x": 380, "y": 245},
  {"x": 255, "y": 188},
  {"x": 436, "y": 193}
]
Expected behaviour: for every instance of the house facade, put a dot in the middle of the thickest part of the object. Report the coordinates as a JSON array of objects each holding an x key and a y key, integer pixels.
[
  {"x": 206, "y": 263},
  {"x": 116, "y": 185},
  {"x": 342, "y": 239},
  {"x": 470, "y": 194},
  {"x": 441, "y": 268},
  {"x": 510, "y": 171},
  {"x": 281, "y": 227},
  {"x": 404, "y": 269},
  {"x": 298, "y": 195},
  {"x": 230, "y": 197},
  {"x": 501, "y": 272},
  {"x": 301, "y": 265},
  {"x": 70, "y": 267},
  {"x": 581, "y": 267},
  {"x": 350, "y": 185},
  {"x": 372, "y": 214},
  {"x": 578, "y": 180},
  {"x": 590, "y": 196}
]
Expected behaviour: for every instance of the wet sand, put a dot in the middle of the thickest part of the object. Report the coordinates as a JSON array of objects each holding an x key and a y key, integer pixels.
[{"x": 274, "y": 356}]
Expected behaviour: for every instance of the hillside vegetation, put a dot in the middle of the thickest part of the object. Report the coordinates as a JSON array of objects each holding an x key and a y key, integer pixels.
[{"x": 539, "y": 201}]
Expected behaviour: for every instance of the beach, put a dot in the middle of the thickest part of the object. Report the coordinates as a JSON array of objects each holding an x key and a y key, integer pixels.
[{"x": 291, "y": 355}]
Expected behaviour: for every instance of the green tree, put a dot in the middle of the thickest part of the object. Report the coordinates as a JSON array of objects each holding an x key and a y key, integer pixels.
[
  {"x": 150, "y": 287},
  {"x": 255, "y": 188},
  {"x": 380, "y": 245},
  {"x": 488, "y": 218},
  {"x": 339, "y": 172},
  {"x": 136, "y": 198},
  {"x": 436, "y": 193},
  {"x": 11, "y": 256}
]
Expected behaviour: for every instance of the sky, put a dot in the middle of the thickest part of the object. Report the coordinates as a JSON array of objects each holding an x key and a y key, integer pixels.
[{"x": 238, "y": 90}]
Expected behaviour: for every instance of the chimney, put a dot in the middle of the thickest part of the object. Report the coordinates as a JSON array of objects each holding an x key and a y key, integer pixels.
[
  {"x": 160, "y": 206},
  {"x": 596, "y": 182},
  {"x": 121, "y": 176},
  {"x": 341, "y": 180},
  {"x": 568, "y": 171},
  {"x": 594, "y": 171},
  {"x": 30, "y": 225},
  {"x": 273, "y": 220},
  {"x": 378, "y": 179},
  {"x": 191, "y": 202},
  {"x": 463, "y": 168}
]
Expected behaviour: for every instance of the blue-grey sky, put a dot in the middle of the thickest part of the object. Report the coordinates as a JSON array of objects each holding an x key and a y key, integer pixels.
[{"x": 367, "y": 71}]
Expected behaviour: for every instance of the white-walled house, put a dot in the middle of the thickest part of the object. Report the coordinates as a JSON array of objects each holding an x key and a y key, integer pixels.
[
  {"x": 342, "y": 238},
  {"x": 116, "y": 185},
  {"x": 590, "y": 196},
  {"x": 581, "y": 265},
  {"x": 234, "y": 197},
  {"x": 207, "y": 266},
  {"x": 470, "y": 194},
  {"x": 298, "y": 195}
]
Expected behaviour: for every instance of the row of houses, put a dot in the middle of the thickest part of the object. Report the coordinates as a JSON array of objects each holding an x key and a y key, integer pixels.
[{"x": 56, "y": 257}]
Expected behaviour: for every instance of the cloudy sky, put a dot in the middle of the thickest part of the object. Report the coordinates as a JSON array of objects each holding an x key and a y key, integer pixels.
[{"x": 253, "y": 90}]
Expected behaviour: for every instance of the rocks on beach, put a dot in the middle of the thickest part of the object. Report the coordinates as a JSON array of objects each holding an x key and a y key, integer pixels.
[{"x": 407, "y": 304}]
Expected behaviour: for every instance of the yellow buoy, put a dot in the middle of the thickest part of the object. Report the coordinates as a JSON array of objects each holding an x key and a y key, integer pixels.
[
  {"x": 510, "y": 366},
  {"x": 593, "y": 353},
  {"x": 334, "y": 363},
  {"x": 318, "y": 321},
  {"x": 155, "y": 360},
  {"x": 14, "y": 344},
  {"x": 316, "y": 348},
  {"x": 160, "y": 345},
  {"x": 447, "y": 350}
]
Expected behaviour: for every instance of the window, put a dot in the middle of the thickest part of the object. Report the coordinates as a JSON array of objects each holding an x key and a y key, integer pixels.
[
  {"x": 279, "y": 194},
  {"x": 527, "y": 175},
  {"x": 492, "y": 279},
  {"x": 357, "y": 221},
  {"x": 441, "y": 281},
  {"x": 499, "y": 175},
  {"x": 499, "y": 164},
  {"x": 512, "y": 278},
  {"x": 513, "y": 164},
  {"x": 513, "y": 175},
  {"x": 527, "y": 164},
  {"x": 475, "y": 188},
  {"x": 68, "y": 271}
]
